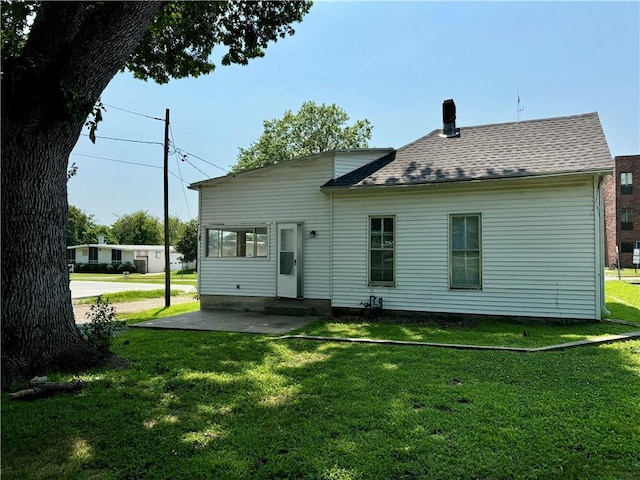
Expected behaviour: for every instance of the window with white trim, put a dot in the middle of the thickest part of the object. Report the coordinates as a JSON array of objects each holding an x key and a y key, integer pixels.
[
  {"x": 237, "y": 242},
  {"x": 465, "y": 251},
  {"x": 382, "y": 251}
]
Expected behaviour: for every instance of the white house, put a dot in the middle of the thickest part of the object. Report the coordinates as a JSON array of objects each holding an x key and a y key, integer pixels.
[
  {"x": 492, "y": 220},
  {"x": 146, "y": 258}
]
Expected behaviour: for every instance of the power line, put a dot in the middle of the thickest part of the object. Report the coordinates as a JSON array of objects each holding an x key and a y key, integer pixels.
[
  {"x": 185, "y": 154},
  {"x": 186, "y": 159},
  {"x": 115, "y": 160},
  {"x": 184, "y": 193},
  {"x": 124, "y": 139},
  {"x": 131, "y": 163},
  {"x": 134, "y": 113}
]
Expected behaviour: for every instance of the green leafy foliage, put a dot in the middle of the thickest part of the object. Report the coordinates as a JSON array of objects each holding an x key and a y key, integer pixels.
[
  {"x": 313, "y": 129},
  {"x": 138, "y": 228},
  {"x": 95, "y": 117},
  {"x": 82, "y": 229},
  {"x": 176, "y": 226},
  {"x": 187, "y": 243},
  {"x": 180, "y": 39},
  {"x": 14, "y": 22},
  {"x": 103, "y": 325}
]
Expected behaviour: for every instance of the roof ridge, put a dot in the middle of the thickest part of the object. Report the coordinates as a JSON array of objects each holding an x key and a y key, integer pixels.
[{"x": 534, "y": 120}]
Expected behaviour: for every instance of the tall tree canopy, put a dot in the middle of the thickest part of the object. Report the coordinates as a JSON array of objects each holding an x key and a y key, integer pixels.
[
  {"x": 187, "y": 243},
  {"x": 53, "y": 72},
  {"x": 138, "y": 228},
  {"x": 313, "y": 129},
  {"x": 82, "y": 229}
]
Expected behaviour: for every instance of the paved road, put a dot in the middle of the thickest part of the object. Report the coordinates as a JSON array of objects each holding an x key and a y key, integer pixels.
[{"x": 81, "y": 289}]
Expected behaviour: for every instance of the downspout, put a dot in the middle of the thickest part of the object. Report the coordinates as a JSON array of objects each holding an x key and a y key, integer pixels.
[{"x": 599, "y": 220}]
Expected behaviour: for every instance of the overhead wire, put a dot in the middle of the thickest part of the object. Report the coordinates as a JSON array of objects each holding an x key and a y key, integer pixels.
[
  {"x": 131, "y": 163},
  {"x": 184, "y": 192},
  {"x": 134, "y": 113},
  {"x": 124, "y": 139}
]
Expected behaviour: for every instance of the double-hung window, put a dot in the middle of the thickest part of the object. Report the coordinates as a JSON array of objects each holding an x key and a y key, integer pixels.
[
  {"x": 237, "y": 242},
  {"x": 382, "y": 251},
  {"x": 116, "y": 256},
  {"x": 626, "y": 219},
  {"x": 626, "y": 183},
  {"x": 465, "y": 251}
]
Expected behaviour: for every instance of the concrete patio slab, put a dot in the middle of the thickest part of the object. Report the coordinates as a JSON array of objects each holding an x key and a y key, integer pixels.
[{"x": 229, "y": 321}]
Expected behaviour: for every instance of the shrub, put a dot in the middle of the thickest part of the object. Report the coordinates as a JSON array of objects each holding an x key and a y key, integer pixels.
[
  {"x": 103, "y": 325},
  {"x": 127, "y": 267}
]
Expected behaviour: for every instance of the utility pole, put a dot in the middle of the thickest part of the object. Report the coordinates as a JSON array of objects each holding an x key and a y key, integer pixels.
[{"x": 167, "y": 261}]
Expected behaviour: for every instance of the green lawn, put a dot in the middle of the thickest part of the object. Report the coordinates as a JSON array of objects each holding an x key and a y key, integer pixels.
[
  {"x": 130, "y": 296},
  {"x": 176, "y": 277},
  {"x": 624, "y": 273},
  {"x": 205, "y": 405},
  {"x": 623, "y": 300}
]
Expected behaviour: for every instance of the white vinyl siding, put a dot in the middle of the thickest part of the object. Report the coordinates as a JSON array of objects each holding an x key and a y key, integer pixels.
[
  {"x": 267, "y": 197},
  {"x": 538, "y": 248},
  {"x": 347, "y": 162}
]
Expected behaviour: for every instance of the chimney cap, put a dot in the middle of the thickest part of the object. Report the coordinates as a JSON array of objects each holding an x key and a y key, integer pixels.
[
  {"x": 449, "y": 129},
  {"x": 448, "y": 111}
]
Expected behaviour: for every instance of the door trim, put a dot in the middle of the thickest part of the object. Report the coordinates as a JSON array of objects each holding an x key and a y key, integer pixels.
[{"x": 297, "y": 259}]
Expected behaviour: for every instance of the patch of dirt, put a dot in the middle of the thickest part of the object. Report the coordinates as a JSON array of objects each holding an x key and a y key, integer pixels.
[{"x": 80, "y": 311}]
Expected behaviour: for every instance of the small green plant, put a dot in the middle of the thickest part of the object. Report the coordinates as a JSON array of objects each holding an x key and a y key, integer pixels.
[{"x": 103, "y": 325}]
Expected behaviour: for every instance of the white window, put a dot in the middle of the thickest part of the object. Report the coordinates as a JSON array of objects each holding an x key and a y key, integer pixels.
[
  {"x": 237, "y": 242},
  {"x": 382, "y": 251},
  {"x": 465, "y": 255}
]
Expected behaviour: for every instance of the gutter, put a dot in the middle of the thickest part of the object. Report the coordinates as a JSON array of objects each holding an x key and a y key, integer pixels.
[{"x": 451, "y": 183}]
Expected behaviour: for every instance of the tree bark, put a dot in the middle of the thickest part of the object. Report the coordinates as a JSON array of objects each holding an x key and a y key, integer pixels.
[{"x": 73, "y": 51}]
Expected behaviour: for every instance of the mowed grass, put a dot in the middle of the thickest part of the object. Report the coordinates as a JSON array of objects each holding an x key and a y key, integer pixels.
[
  {"x": 623, "y": 300},
  {"x": 205, "y": 405},
  {"x": 130, "y": 296},
  {"x": 176, "y": 277}
]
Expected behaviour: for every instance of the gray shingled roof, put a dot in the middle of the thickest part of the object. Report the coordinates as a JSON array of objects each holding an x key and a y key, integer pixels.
[{"x": 559, "y": 145}]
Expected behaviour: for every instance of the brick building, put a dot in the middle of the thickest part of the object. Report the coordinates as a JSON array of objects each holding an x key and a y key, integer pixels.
[{"x": 622, "y": 210}]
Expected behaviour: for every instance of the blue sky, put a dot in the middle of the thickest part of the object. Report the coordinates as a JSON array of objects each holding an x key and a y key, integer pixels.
[{"x": 392, "y": 63}]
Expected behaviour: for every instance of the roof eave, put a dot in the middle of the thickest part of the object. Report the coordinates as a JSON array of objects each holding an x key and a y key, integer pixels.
[{"x": 595, "y": 171}]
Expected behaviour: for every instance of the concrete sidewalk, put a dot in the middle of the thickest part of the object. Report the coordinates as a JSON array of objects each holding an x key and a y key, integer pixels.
[{"x": 229, "y": 321}]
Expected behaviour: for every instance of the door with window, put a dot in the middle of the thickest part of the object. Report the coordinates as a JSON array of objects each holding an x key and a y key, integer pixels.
[{"x": 289, "y": 261}]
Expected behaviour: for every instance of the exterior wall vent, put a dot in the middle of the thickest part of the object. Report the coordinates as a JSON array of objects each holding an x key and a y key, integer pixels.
[{"x": 449, "y": 129}]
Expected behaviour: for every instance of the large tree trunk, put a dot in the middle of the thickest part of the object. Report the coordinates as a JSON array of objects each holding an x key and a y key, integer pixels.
[{"x": 73, "y": 51}]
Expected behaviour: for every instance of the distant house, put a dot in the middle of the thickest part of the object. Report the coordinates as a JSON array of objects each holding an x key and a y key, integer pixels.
[
  {"x": 146, "y": 258},
  {"x": 492, "y": 220},
  {"x": 622, "y": 211}
]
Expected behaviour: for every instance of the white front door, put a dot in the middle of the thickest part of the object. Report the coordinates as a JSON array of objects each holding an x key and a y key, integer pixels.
[{"x": 288, "y": 268}]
